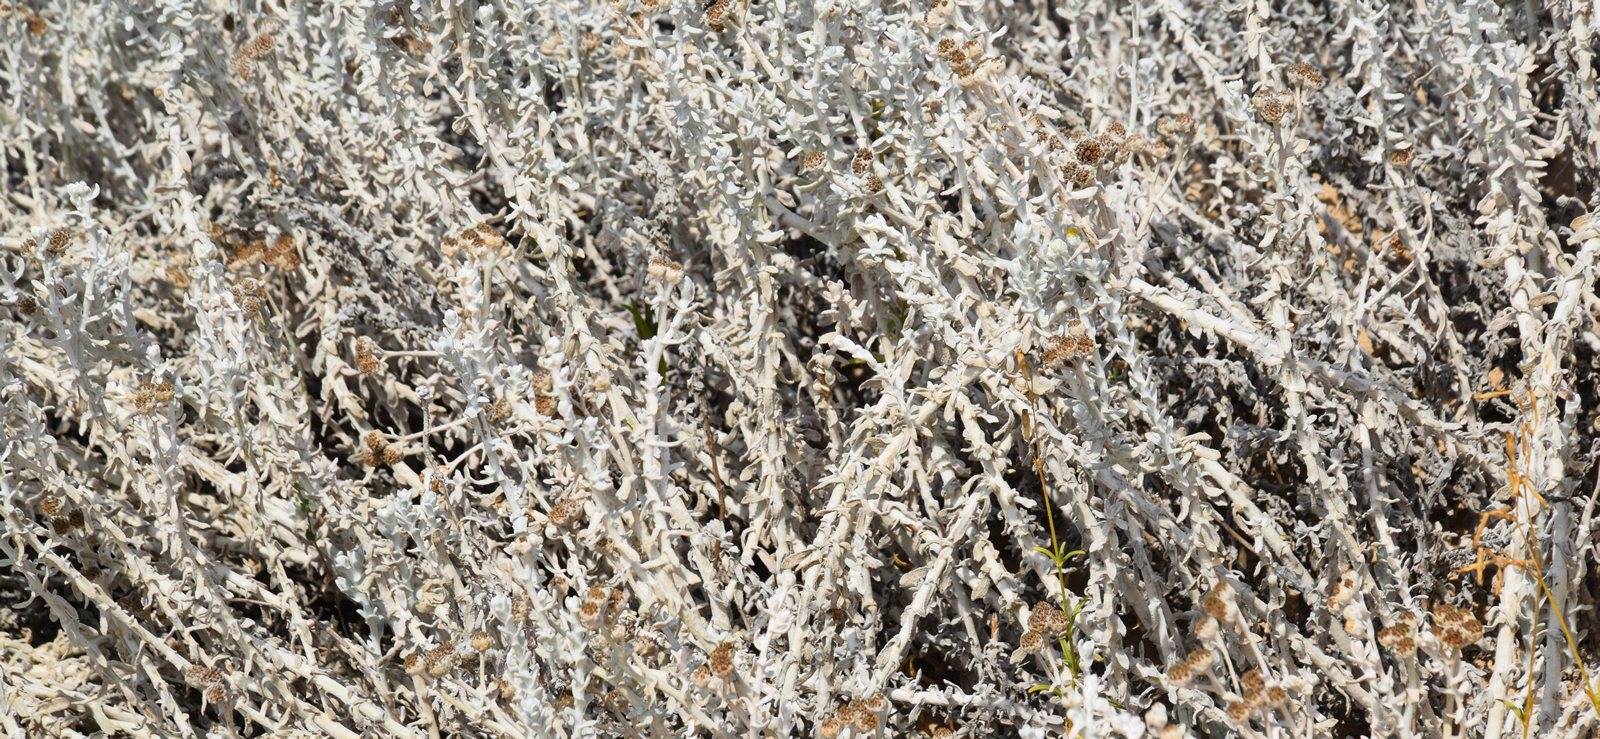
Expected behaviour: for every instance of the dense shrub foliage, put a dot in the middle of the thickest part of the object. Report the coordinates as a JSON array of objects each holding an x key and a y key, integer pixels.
[{"x": 793, "y": 368}]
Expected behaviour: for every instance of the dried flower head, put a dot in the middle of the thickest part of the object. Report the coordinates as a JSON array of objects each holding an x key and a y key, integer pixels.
[
  {"x": 874, "y": 184},
  {"x": 813, "y": 161},
  {"x": 1200, "y": 661},
  {"x": 1402, "y": 157},
  {"x": 200, "y": 676},
  {"x": 668, "y": 272},
  {"x": 59, "y": 240},
  {"x": 440, "y": 660},
  {"x": 1089, "y": 151},
  {"x": 50, "y": 506},
  {"x": 216, "y": 693},
  {"x": 721, "y": 659},
  {"x": 861, "y": 163},
  {"x": 481, "y": 642},
  {"x": 1239, "y": 711},
  {"x": 830, "y": 727},
  {"x": 1179, "y": 674},
  {"x": 1270, "y": 107},
  {"x": 1303, "y": 76}
]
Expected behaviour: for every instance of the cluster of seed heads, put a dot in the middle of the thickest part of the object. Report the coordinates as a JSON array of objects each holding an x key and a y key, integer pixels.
[
  {"x": 380, "y": 451},
  {"x": 1303, "y": 76},
  {"x": 666, "y": 271},
  {"x": 1045, "y": 622},
  {"x": 1197, "y": 664},
  {"x": 208, "y": 680},
  {"x": 248, "y": 295},
  {"x": 366, "y": 362},
  {"x": 1257, "y": 695},
  {"x": 243, "y": 62},
  {"x": 601, "y": 606},
  {"x": 1400, "y": 636},
  {"x": 861, "y": 716},
  {"x": 720, "y": 661},
  {"x": 967, "y": 61},
  {"x": 35, "y": 24},
  {"x": 476, "y": 240},
  {"x": 543, "y": 401},
  {"x": 1067, "y": 350},
  {"x": 719, "y": 15},
  {"x": 1272, "y": 106},
  {"x": 152, "y": 395},
  {"x": 1457, "y": 627}
]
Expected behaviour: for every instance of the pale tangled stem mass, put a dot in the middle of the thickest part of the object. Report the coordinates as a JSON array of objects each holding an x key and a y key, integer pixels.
[{"x": 837, "y": 368}]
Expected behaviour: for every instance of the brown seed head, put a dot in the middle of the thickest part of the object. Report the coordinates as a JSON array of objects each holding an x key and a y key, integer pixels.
[
  {"x": 1239, "y": 711},
  {"x": 830, "y": 727},
  {"x": 1303, "y": 76},
  {"x": 1179, "y": 673},
  {"x": 1402, "y": 157},
  {"x": 1276, "y": 697},
  {"x": 216, "y": 693},
  {"x": 199, "y": 676},
  {"x": 1089, "y": 151},
  {"x": 413, "y": 664},
  {"x": 546, "y": 405},
  {"x": 60, "y": 239},
  {"x": 721, "y": 661},
  {"x": 1116, "y": 130},
  {"x": 864, "y": 719},
  {"x": 1406, "y": 646},
  {"x": 1252, "y": 680},
  {"x": 874, "y": 183},
  {"x": 376, "y": 441},
  {"x": 1200, "y": 661},
  {"x": 28, "y": 306},
  {"x": 1217, "y": 608},
  {"x": 1269, "y": 107},
  {"x": 50, "y": 506},
  {"x": 242, "y": 64},
  {"x": 567, "y": 513},
  {"x": 813, "y": 161},
  {"x": 392, "y": 455},
  {"x": 947, "y": 47},
  {"x": 861, "y": 163},
  {"x": 75, "y": 519},
  {"x": 480, "y": 641}
]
